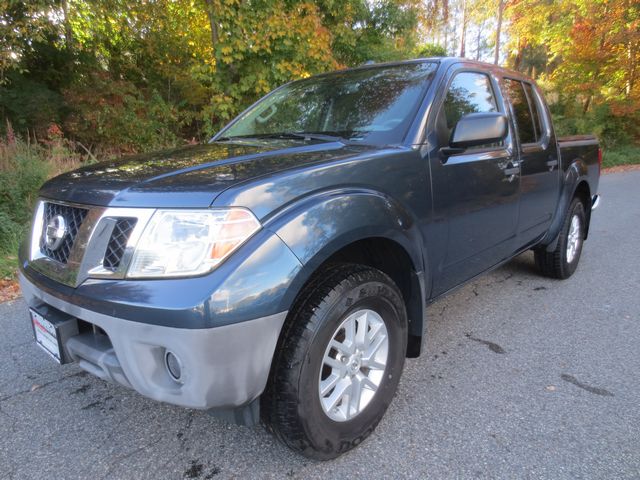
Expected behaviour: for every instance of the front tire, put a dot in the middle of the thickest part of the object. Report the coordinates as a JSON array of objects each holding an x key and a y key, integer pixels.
[
  {"x": 563, "y": 261},
  {"x": 338, "y": 363}
]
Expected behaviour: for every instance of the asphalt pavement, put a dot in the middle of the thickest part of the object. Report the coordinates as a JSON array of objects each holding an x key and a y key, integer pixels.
[{"x": 523, "y": 377}]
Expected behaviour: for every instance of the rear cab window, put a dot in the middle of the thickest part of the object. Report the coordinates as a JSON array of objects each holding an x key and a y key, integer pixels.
[{"x": 525, "y": 110}]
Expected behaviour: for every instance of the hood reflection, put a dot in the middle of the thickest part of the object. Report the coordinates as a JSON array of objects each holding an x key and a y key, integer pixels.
[{"x": 194, "y": 175}]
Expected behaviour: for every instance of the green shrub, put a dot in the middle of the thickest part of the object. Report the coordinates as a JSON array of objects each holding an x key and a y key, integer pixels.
[
  {"x": 624, "y": 155},
  {"x": 612, "y": 130},
  {"x": 430, "y": 50},
  {"x": 29, "y": 105},
  {"x": 23, "y": 168},
  {"x": 116, "y": 114}
]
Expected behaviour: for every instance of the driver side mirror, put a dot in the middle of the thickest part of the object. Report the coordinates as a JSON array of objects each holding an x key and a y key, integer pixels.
[{"x": 475, "y": 129}]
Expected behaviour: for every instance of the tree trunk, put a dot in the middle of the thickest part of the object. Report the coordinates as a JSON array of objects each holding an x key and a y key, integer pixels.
[
  {"x": 463, "y": 35},
  {"x": 478, "y": 39},
  {"x": 445, "y": 22},
  {"x": 212, "y": 24},
  {"x": 68, "y": 31},
  {"x": 632, "y": 78},
  {"x": 632, "y": 67},
  {"x": 496, "y": 55},
  {"x": 517, "y": 61}
]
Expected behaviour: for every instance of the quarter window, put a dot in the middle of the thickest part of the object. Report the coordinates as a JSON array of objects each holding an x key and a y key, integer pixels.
[
  {"x": 522, "y": 111},
  {"x": 537, "y": 119}
]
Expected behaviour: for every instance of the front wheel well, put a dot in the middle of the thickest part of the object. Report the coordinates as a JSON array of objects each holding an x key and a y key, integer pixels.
[{"x": 391, "y": 258}]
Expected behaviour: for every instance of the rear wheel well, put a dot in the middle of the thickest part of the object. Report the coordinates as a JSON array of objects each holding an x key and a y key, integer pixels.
[
  {"x": 391, "y": 258},
  {"x": 583, "y": 192}
]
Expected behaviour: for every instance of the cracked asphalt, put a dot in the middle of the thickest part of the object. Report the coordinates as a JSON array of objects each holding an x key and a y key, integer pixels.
[{"x": 523, "y": 377}]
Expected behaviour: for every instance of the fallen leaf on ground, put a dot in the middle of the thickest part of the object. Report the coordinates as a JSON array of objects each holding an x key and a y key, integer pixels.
[
  {"x": 9, "y": 290},
  {"x": 620, "y": 168}
]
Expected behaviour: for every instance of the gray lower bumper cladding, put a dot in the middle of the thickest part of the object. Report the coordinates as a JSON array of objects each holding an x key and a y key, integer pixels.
[{"x": 223, "y": 367}]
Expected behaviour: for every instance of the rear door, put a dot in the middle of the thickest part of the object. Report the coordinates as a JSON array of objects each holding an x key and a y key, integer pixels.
[
  {"x": 475, "y": 193},
  {"x": 538, "y": 154}
]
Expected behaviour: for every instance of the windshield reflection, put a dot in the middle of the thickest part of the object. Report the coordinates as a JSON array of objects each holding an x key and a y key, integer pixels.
[{"x": 373, "y": 105}]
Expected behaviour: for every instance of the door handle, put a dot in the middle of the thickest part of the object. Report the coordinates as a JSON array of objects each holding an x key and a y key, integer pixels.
[
  {"x": 551, "y": 164},
  {"x": 511, "y": 171}
]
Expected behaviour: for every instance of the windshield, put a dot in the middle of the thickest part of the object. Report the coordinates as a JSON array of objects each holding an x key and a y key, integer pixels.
[{"x": 373, "y": 105}]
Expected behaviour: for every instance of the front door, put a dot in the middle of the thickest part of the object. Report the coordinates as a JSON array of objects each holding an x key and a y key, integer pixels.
[{"x": 475, "y": 193}]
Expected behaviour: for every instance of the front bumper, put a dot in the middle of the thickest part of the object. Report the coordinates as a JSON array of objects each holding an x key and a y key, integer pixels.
[{"x": 222, "y": 367}]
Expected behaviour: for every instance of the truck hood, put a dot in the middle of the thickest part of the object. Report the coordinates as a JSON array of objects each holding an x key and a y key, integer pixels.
[{"x": 190, "y": 176}]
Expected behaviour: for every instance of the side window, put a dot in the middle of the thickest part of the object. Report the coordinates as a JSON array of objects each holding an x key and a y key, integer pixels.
[
  {"x": 522, "y": 111},
  {"x": 469, "y": 92},
  {"x": 533, "y": 102}
]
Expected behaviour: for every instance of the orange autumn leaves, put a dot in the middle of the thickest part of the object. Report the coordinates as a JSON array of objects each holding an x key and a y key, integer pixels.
[{"x": 591, "y": 48}]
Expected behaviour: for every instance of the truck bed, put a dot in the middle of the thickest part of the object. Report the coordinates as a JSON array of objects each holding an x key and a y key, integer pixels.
[{"x": 577, "y": 140}]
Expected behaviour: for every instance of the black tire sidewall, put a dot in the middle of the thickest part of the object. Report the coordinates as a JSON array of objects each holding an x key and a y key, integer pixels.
[{"x": 325, "y": 434}]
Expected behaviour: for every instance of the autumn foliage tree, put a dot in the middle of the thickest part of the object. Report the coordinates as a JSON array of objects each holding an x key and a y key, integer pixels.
[
  {"x": 586, "y": 53},
  {"x": 140, "y": 75},
  {"x": 121, "y": 76}
]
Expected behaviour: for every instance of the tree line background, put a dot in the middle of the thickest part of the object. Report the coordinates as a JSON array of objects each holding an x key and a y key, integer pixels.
[
  {"x": 124, "y": 76},
  {"x": 82, "y": 80}
]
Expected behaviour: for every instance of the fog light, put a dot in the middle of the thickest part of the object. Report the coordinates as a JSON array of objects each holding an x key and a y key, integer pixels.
[{"x": 173, "y": 365}]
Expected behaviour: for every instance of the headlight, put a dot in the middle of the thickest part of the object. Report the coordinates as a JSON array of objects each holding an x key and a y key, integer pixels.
[{"x": 179, "y": 243}]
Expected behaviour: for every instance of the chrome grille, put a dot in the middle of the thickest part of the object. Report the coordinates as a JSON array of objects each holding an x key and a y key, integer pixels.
[
  {"x": 99, "y": 241},
  {"x": 74, "y": 216},
  {"x": 118, "y": 243}
]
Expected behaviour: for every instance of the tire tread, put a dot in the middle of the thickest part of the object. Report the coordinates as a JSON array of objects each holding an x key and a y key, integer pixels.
[{"x": 279, "y": 402}]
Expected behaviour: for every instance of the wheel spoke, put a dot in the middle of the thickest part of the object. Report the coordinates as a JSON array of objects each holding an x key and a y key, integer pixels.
[
  {"x": 371, "y": 352},
  {"x": 343, "y": 349},
  {"x": 368, "y": 383},
  {"x": 334, "y": 363},
  {"x": 327, "y": 384},
  {"x": 362, "y": 328},
  {"x": 342, "y": 389},
  {"x": 356, "y": 393},
  {"x": 350, "y": 332},
  {"x": 375, "y": 329},
  {"x": 373, "y": 364}
]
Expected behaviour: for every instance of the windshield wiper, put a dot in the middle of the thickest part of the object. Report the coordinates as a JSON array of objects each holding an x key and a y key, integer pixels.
[
  {"x": 302, "y": 136},
  {"x": 330, "y": 137},
  {"x": 342, "y": 134},
  {"x": 325, "y": 136}
]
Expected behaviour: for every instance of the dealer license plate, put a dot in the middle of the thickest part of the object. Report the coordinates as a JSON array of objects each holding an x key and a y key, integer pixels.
[{"x": 46, "y": 335}]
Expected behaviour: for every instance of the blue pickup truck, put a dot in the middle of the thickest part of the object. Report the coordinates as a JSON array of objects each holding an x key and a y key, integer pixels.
[{"x": 280, "y": 273}]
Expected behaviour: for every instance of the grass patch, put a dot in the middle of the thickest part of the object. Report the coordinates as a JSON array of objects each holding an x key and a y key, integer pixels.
[
  {"x": 623, "y": 155},
  {"x": 22, "y": 170},
  {"x": 8, "y": 265},
  {"x": 24, "y": 167}
]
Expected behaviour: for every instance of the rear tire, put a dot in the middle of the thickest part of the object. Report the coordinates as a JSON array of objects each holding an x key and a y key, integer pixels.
[
  {"x": 349, "y": 324},
  {"x": 563, "y": 261}
]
